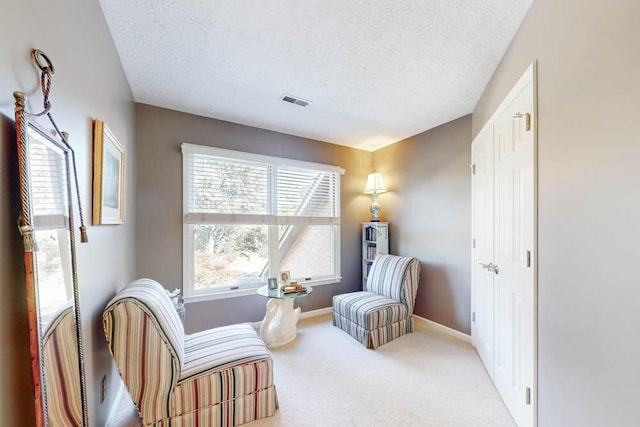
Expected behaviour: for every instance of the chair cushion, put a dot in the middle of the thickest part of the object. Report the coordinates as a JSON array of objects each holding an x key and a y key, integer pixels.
[
  {"x": 369, "y": 310},
  {"x": 222, "y": 365},
  {"x": 221, "y": 348}
]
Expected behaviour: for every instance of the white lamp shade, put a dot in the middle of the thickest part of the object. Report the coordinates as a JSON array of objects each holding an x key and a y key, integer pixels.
[{"x": 375, "y": 184}]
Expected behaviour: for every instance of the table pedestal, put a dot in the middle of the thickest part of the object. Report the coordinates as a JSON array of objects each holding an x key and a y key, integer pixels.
[{"x": 279, "y": 324}]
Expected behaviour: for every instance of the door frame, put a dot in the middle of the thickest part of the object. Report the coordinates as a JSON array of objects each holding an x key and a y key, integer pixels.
[{"x": 530, "y": 75}]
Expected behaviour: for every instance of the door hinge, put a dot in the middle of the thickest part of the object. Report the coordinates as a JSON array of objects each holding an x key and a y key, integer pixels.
[
  {"x": 528, "y": 258},
  {"x": 528, "y": 395},
  {"x": 473, "y": 243},
  {"x": 473, "y": 169},
  {"x": 473, "y": 316},
  {"x": 527, "y": 120}
]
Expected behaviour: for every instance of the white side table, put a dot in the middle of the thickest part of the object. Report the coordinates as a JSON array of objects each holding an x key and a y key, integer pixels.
[{"x": 279, "y": 324}]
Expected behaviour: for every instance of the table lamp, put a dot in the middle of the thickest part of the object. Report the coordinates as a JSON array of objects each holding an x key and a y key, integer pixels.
[{"x": 375, "y": 186}]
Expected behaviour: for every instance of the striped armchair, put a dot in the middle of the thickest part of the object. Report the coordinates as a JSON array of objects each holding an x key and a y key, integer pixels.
[
  {"x": 383, "y": 311},
  {"x": 219, "y": 377}
]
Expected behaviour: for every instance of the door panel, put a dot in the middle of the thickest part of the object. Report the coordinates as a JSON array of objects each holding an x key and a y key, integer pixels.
[
  {"x": 482, "y": 329},
  {"x": 514, "y": 282},
  {"x": 503, "y": 207}
]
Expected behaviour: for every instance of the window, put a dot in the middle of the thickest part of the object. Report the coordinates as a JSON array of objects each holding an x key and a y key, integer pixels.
[
  {"x": 50, "y": 212},
  {"x": 248, "y": 216}
]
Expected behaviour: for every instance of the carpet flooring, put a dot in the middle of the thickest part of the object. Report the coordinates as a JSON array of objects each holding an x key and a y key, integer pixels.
[{"x": 325, "y": 379}]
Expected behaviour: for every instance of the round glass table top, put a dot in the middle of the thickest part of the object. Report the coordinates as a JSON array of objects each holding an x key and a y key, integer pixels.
[{"x": 277, "y": 293}]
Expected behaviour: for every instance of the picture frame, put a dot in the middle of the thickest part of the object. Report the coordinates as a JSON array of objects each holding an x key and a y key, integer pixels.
[
  {"x": 109, "y": 162},
  {"x": 273, "y": 283},
  {"x": 285, "y": 277}
]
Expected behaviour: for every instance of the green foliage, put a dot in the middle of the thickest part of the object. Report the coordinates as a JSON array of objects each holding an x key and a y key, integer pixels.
[
  {"x": 219, "y": 250},
  {"x": 230, "y": 239}
]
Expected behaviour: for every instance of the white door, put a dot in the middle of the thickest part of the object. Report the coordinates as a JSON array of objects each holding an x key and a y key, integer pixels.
[
  {"x": 513, "y": 255},
  {"x": 482, "y": 323}
]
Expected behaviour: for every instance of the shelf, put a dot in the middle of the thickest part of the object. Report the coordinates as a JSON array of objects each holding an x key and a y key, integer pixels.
[{"x": 375, "y": 241}]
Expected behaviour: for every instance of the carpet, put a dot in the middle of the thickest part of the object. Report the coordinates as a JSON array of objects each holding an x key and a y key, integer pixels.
[{"x": 325, "y": 378}]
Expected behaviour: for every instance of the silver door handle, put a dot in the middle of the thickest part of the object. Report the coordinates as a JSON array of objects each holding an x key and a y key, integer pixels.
[
  {"x": 487, "y": 266},
  {"x": 490, "y": 267}
]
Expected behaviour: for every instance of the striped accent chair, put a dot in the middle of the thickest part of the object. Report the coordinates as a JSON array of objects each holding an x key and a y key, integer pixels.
[
  {"x": 218, "y": 377},
  {"x": 383, "y": 311}
]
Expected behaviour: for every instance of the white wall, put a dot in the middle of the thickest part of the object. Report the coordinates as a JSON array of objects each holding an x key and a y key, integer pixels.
[{"x": 589, "y": 204}]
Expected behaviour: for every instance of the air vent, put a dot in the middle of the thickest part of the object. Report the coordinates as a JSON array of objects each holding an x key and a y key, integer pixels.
[{"x": 293, "y": 100}]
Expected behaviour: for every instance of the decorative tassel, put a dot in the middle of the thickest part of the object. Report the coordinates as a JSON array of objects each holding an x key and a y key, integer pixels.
[
  {"x": 28, "y": 238},
  {"x": 83, "y": 234}
]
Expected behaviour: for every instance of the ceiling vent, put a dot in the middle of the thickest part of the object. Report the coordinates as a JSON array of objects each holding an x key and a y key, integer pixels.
[{"x": 293, "y": 100}]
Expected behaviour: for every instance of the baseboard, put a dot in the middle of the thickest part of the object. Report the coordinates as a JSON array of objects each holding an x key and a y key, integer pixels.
[
  {"x": 115, "y": 406},
  {"x": 445, "y": 329},
  {"x": 314, "y": 313}
]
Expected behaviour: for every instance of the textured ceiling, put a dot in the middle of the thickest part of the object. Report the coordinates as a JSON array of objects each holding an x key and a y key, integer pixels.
[{"x": 375, "y": 72}]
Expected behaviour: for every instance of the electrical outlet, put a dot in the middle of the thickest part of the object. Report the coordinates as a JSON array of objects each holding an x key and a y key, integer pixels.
[{"x": 104, "y": 389}]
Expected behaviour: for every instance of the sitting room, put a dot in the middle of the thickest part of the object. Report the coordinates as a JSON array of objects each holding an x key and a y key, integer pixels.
[{"x": 415, "y": 213}]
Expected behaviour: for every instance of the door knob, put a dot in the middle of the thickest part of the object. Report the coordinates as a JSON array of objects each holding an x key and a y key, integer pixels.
[
  {"x": 495, "y": 269},
  {"x": 487, "y": 266}
]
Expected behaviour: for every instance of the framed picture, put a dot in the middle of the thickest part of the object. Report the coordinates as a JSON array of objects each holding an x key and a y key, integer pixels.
[
  {"x": 285, "y": 277},
  {"x": 273, "y": 283},
  {"x": 108, "y": 176}
]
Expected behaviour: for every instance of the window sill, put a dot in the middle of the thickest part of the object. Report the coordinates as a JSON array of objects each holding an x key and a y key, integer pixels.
[{"x": 225, "y": 294}]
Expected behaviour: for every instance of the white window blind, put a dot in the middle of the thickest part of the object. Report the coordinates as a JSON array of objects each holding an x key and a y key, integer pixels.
[
  {"x": 48, "y": 184},
  {"x": 231, "y": 186},
  {"x": 306, "y": 192},
  {"x": 227, "y": 186}
]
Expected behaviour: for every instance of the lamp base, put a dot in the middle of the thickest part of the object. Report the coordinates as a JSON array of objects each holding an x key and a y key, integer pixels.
[{"x": 375, "y": 208}]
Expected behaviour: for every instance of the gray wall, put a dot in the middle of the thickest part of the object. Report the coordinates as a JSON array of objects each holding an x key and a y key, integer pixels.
[
  {"x": 89, "y": 83},
  {"x": 429, "y": 209},
  {"x": 159, "y": 133},
  {"x": 588, "y": 204}
]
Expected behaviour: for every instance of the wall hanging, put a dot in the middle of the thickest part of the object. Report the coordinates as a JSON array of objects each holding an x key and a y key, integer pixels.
[{"x": 108, "y": 176}]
